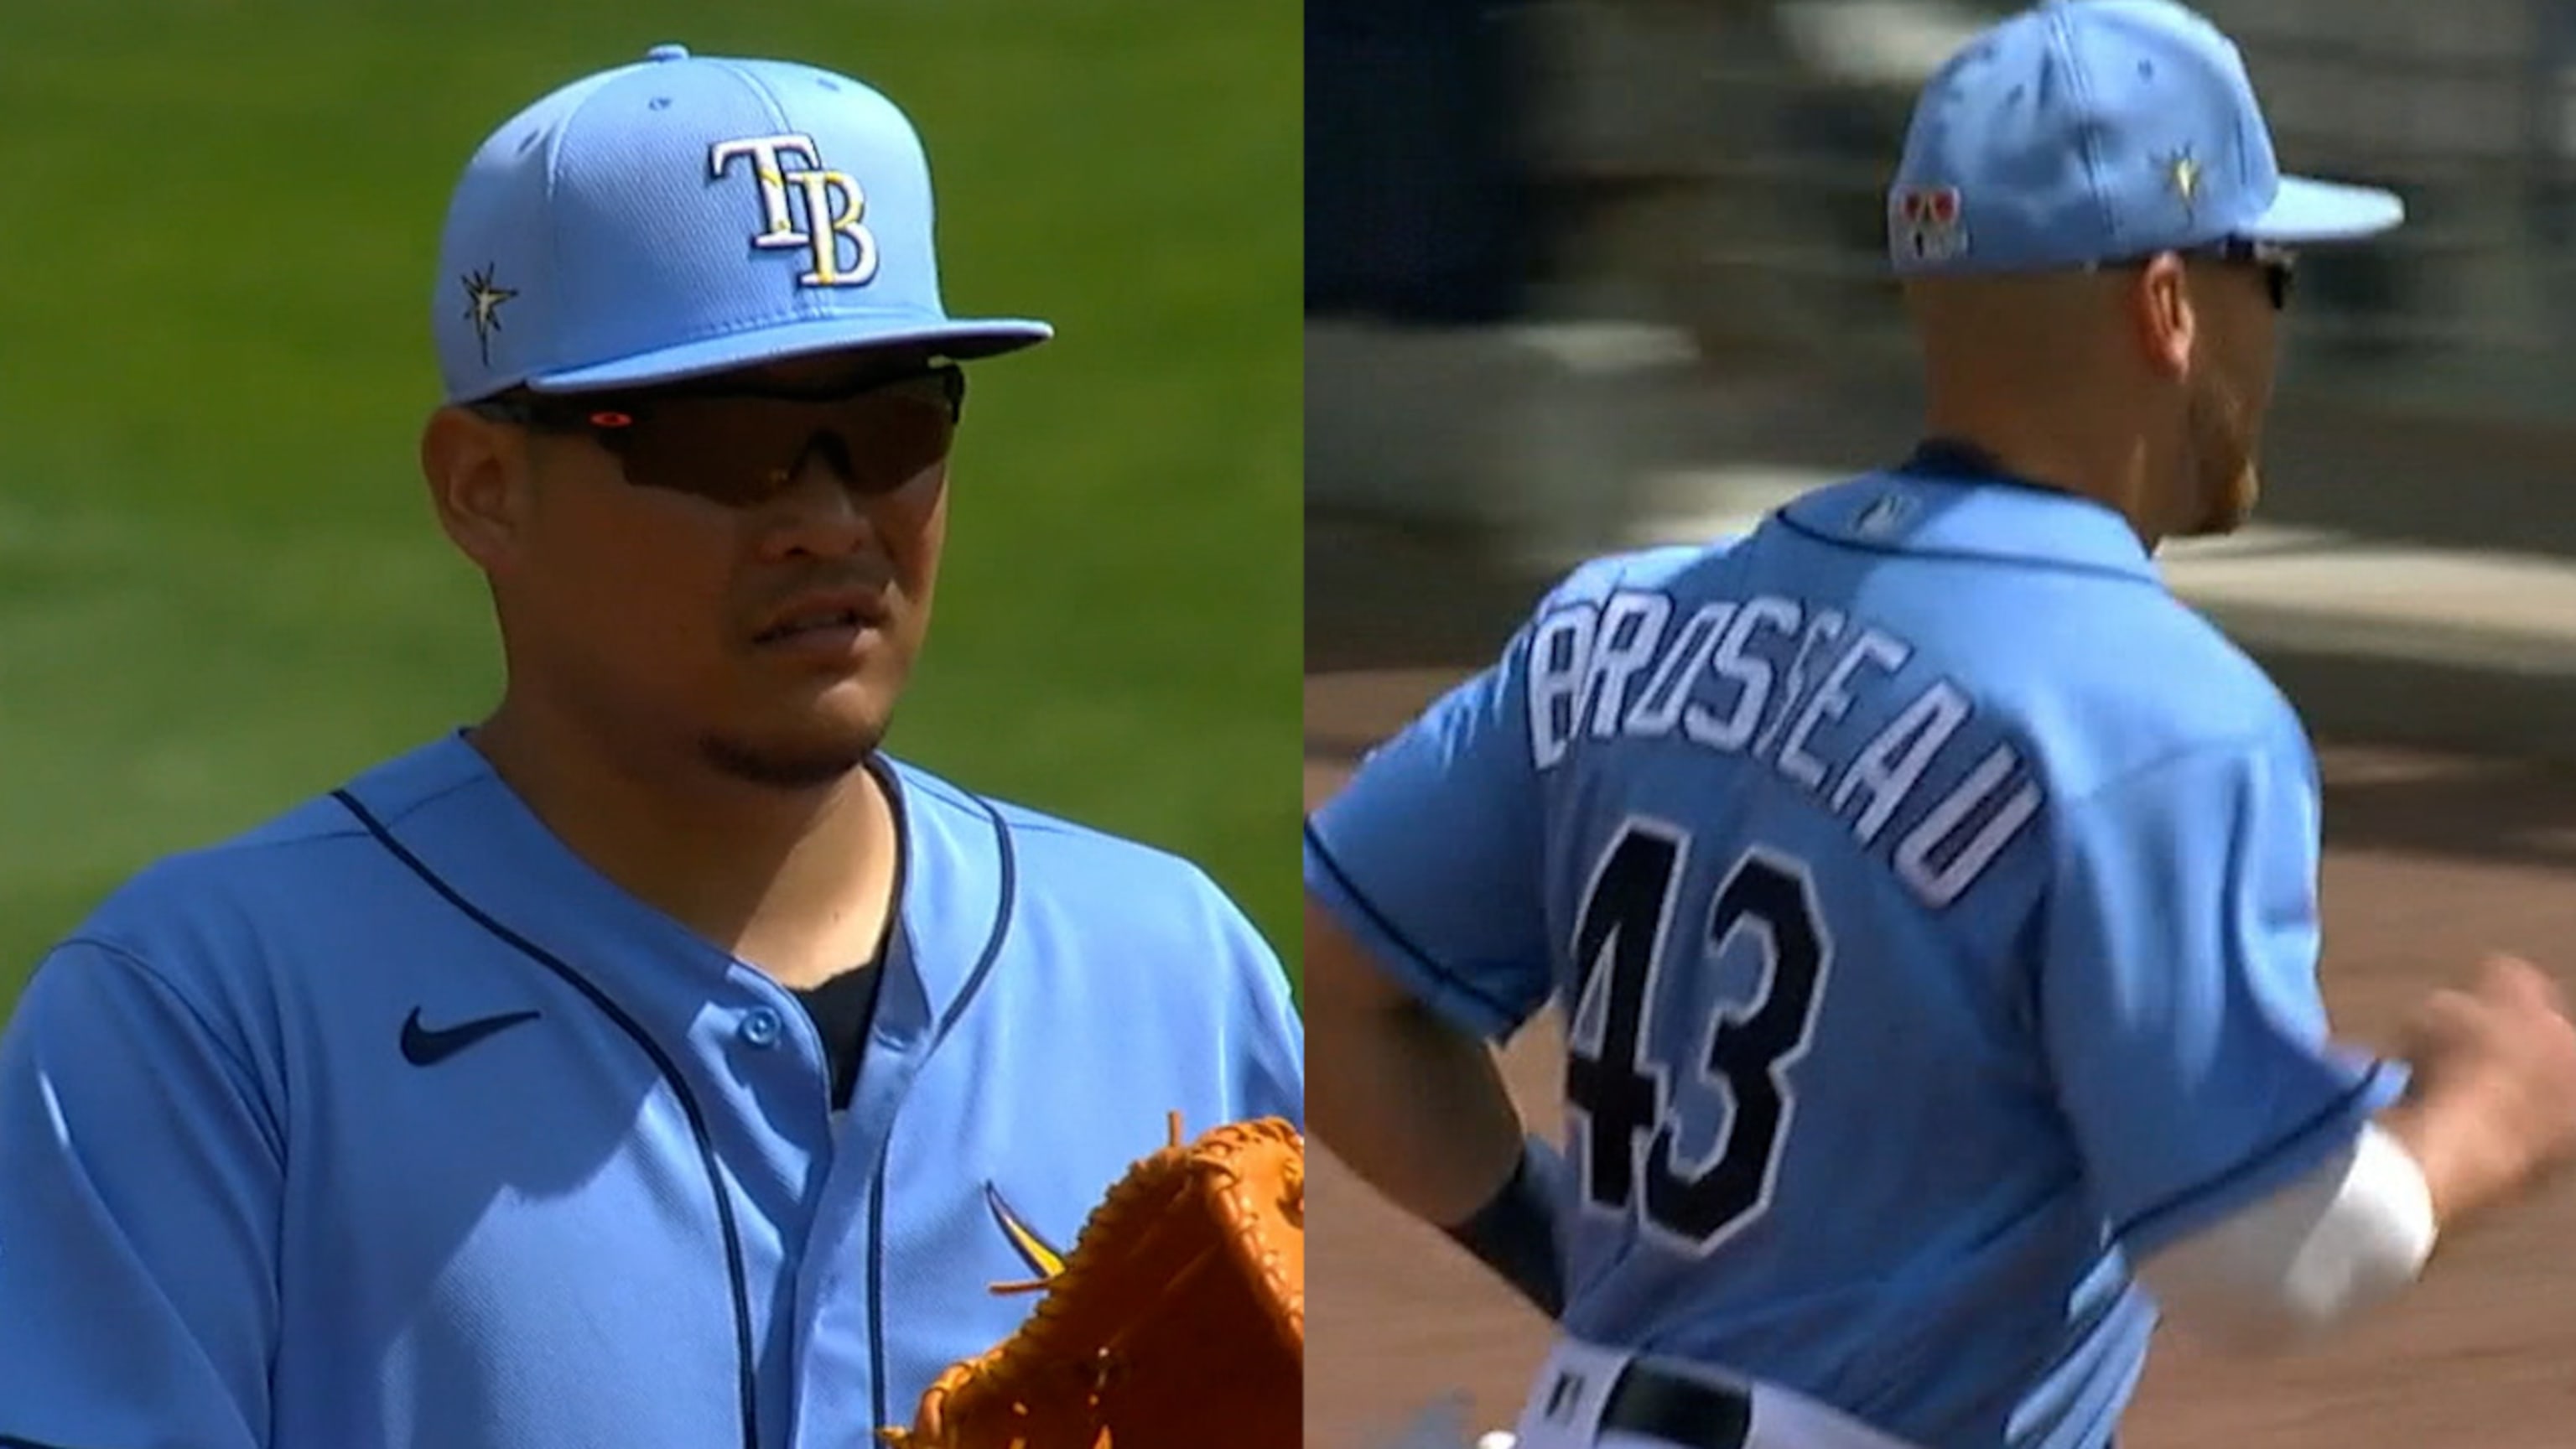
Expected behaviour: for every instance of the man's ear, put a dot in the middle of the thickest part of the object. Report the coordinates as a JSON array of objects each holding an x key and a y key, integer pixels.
[
  {"x": 2160, "y": 309},
  {"x": 477, "y": 471}
]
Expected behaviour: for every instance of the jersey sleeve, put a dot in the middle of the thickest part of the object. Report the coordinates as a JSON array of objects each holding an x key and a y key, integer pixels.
[
  {"x": 2185, "y": 1031},
  {"x": 139, "y": 1201},
  {"x": 1266, "y": 1035},
  {"x": 1431, "y": 855}
]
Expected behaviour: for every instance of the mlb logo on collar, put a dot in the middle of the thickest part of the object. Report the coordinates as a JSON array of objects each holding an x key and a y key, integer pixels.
[
  {"x": 1924, "y": 224},
  {"x": 1885, "y": 516}
]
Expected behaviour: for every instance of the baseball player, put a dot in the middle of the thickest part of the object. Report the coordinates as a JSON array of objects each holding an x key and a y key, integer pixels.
[
  {"x": 1930, "y": 896},
  {"x": 658, "y": 1061}
]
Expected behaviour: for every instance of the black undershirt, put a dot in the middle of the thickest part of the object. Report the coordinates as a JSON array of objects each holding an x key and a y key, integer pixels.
[
  {"x": 1938, "y": 457},
  {"x": 842, "y": 1009}
]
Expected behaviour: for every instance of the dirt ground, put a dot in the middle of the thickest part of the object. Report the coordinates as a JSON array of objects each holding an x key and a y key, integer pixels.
[{"x": 2437, "y": 851}]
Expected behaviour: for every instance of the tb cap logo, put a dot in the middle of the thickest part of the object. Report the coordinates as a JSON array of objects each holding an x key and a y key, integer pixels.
[{"x": 834, "y": 231}]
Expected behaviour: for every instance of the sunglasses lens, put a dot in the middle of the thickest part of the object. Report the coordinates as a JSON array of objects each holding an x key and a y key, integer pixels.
[{"x": 745, "y": 450}]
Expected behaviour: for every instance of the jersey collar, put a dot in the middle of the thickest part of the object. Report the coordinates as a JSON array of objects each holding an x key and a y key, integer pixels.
[
  {"x": 447, "y": 806},
  {"x": 1948, "y": 499}
]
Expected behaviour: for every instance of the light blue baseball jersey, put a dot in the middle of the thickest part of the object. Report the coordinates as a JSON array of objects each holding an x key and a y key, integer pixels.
[
  {"x": 1932, "y": 900},
  {"x": 610, "y": 1205}
]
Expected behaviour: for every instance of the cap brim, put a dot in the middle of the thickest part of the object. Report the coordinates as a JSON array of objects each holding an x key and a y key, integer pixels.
[
  {"x": 2307, "y": 212},
  {"x": 962, "y": 340}
]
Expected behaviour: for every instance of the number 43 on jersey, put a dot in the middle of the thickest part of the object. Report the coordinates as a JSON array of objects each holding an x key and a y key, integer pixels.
[{"x": 1623, "y": 1096}]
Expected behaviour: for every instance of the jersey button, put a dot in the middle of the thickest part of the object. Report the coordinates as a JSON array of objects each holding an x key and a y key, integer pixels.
[{"x": 760, "y": 1027}]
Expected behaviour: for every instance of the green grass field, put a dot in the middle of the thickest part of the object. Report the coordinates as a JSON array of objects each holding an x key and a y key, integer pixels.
[{"x": 220, "y": 588}]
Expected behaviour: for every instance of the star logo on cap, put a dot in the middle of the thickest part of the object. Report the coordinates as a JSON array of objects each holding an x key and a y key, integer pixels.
[
  {"x": 483, "y": 301},
  {"x": 2182, "y": 173}
]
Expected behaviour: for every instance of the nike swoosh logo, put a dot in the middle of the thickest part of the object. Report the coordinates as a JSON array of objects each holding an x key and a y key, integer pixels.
[{"x": 424, "y": 1047}]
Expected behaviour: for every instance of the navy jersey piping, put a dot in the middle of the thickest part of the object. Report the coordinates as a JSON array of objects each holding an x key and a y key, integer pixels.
[
  {"x": 2255, "y": 1161},
  {"x": 1341, "y": 877},
  {"x": 1954, "y": 555},
  {"x": 272, "y": 1136},
  {"x": 1005, "y": 905},
  {"x": 745, "y": 1379}
]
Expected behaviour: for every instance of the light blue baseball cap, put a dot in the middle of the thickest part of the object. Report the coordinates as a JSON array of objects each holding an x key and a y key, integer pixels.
[
  {"x": 687, "y": 215},
  {"x": 2081, "y": 132}
]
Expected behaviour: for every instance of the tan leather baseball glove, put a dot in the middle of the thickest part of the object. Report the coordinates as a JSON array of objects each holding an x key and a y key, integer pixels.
[{"x": 1177, "y": 1322}]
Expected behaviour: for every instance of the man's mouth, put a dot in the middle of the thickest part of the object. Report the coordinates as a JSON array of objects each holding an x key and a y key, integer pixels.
[{"x": 840, "y": 611}]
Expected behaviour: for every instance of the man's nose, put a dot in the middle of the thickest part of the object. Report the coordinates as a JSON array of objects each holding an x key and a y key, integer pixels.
[{"x": 818, "y": 511}]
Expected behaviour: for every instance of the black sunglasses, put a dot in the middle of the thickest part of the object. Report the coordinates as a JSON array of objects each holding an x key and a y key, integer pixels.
[
  {"x": 742, "y": 445},
  {"x": 2279, "y": 264}
]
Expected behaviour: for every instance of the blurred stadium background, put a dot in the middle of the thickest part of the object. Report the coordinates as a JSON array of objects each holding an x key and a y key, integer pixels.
[
  {"x": 220, "y": 586},
  {"x": 1585, "y": 273}
]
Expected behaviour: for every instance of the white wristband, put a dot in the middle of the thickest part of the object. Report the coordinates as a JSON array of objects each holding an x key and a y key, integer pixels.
[{"x": 2307, "y": 1259}]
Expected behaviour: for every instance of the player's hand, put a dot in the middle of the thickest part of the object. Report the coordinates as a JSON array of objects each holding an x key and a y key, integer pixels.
[{"x": 2492, "y": 1104}]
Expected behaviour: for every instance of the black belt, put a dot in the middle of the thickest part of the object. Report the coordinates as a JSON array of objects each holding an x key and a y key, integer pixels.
[{"x": 1658, "y": 1405}]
